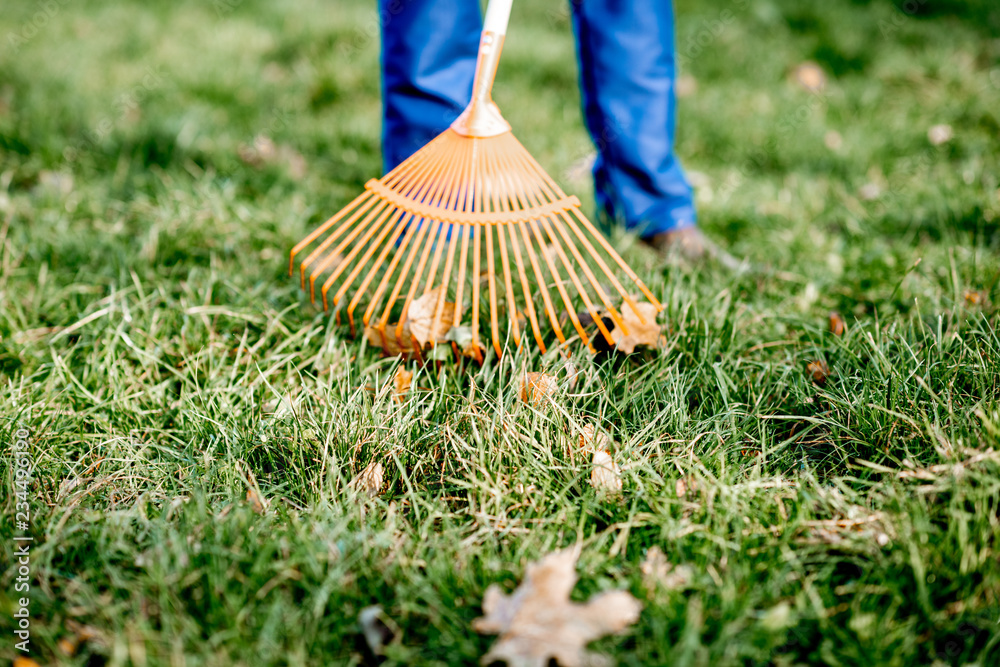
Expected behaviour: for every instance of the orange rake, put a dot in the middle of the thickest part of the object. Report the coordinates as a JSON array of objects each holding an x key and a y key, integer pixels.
[{"x": 474, "y": 191}]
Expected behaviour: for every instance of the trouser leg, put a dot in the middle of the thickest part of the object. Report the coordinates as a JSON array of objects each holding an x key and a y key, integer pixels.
[
  {"x": 627, "y": 74},
  {"x": 428, "y": 62}
]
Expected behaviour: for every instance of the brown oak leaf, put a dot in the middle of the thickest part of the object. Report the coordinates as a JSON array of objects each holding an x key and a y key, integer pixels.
[
  {"x": 638, "y": 333},
  {"x": 538, "y": 623}
]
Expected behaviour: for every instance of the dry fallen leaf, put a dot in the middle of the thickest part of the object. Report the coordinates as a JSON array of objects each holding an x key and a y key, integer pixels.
[
  {"x": 256, "y": 500},
  {"x": 940, "y": 134},
  {"x": 638, "y": 333},
  {"x": 818, "y": 371},
  {"x": 837, "y": 324},
  {"x": 538, "y": 623},
  {"x": 391, "y": 344},
  {"x": 420, "y": 316},
  {"x": 658, "y": 572},
  {"x": 593, "y": 439},
  {"x": 686, "y": 485},
  {"x": 369, "y": 481},
  {"x": 810, "y": 76},
  {"x": 973, "y": 298},
  {"x": 605, "y": 476},
  {"x": 401, "y": 384},
  {"x": 536, "y": 388}
]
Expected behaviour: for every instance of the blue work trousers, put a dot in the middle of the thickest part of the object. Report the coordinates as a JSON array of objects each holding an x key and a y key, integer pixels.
[{"x": 627, "y": 74}]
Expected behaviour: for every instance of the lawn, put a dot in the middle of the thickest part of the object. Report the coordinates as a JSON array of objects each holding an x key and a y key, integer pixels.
[{"x": 198, "y": 431}]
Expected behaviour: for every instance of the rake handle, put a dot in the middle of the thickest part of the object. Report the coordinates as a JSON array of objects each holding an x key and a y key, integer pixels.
[
  {"x": 497, "y": 16},
  {"x": 481, "y": 118}
]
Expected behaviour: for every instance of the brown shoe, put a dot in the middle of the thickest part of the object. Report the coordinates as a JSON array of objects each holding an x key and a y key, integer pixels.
[{"x": 691, "y": 245}]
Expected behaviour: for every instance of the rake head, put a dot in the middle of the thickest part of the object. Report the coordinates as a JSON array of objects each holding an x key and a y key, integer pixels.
[{"x": 475, "y": 226}]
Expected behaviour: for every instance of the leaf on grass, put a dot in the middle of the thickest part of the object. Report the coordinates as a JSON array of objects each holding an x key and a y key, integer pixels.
[
  {"x": 81, "y": 634},
  {"x": 810, "y": 76},
  {"x": 604, "y": 475},
  {"x": 538, "y": 623},
  {"x": 420, "y": 316},
  {"x": 257, "y": 502},
  {"x": 391, "y": 345},
  {"x": 818, "y": 371},
  {"x": 686, "y": 485},
  {"x": 940, "y": 134},
  {"x": 638, "y": 333},
  {"x": 592, "y": 439},
  {"x": 21, "y": 661},
  {"x": 660, "y": 573},
  {"x": 973, "y": 298},
  {"x": 369, "y": 481},
  {"x": 837, "y": 324},
  {"x": 402, "y": 380},
  {"x": 537, "y": 388}
]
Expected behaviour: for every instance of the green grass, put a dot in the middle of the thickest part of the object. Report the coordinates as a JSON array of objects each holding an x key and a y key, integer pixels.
[{"x": 148, "y": 329}]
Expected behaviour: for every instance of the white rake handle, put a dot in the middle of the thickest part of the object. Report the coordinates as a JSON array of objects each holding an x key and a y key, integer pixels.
[{"x": 497, "y": 16}]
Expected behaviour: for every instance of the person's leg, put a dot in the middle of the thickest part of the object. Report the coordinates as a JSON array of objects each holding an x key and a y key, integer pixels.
[
  {"x": 428, "y": 62},
  {"x": 627, "y": 74}
]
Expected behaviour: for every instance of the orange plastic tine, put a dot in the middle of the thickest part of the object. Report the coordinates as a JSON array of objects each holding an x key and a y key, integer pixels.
[
  {"x": 376, "y": 202},
  {"x": 468, "y": 205},
  {"x": 500, "y": 203},
  {"x": 490, "y": 203},
  {"x": 554, "y": 223},
  {"x": 539, "y": 276},
  {"x": 405, "y": 177},
  {"x": 385, "y": 226},
  {"x": 402, "y": 221},
  {"x": 603, "y": 242},
  {"x": 454, "y": 199},
  {"x": 446, "y": 190},
  {"x": 410, "y": 231},
  {"x": 411, "y": 184},
  {"x": 322, "y": 228},
  {"x": 528, "y": 199},
  {"x": 434, "y": 178},
  {"x": 477, "y": 243},
  {"x": 453, "y": 231},
  {"x": 400, "y": 171},
  {"x": 379, "y": 214}
]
